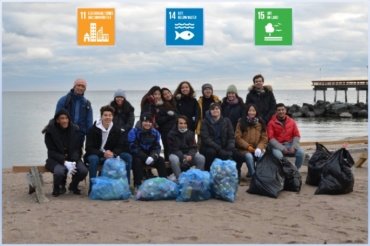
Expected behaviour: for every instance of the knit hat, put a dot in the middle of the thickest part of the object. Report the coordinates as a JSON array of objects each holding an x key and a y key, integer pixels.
[
  {"x": 232, "y": 88},
  {"x": 119, "y": 93},
  {"x": 80, "y": 82},
  {"x": 206, "y": 85},
  {"x": 146, "y": 117},
  {"x": 215, "y": 104}
]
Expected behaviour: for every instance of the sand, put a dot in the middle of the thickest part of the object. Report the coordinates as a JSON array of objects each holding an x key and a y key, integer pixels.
[{"x": 291, "y": 218}]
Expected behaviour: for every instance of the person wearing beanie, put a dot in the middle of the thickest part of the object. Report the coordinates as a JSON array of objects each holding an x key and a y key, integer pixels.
[
  {"x": 104, "y": 141},
  {"x": 263, "y": 97},
  {"x": 145, "y": 147},
  {"x": 187, "y": 104},
  {"x": 78, "y": 107},
  {"x": 232, "y": 105},
  {"x": 217, "y": 137},
  {"x": 204, "y": 102},
  {"x": 124, "y": 113},
  {"x": 64, "y": 153}
]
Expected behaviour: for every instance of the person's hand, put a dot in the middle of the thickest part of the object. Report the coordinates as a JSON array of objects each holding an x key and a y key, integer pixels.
[
  {"x": 171, "y": 113},
  {"x": 291, "y": 150},
  {"x": 71, "y": 166},
  {"x": 258, "y": 153},
  {"x": 188, "y": 158},
  {"x": 251, "y": 149},
  {"x": 149, "y": 160},
  {"x": 285, "y": 151},
  {"x": 108, "y": 154}
]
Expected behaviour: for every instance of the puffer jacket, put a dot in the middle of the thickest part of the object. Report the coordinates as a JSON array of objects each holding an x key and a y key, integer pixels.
[
  {"x": 146, "y": 141},
  {"x": 282, "y": 133},
  {"x": 264, "y": 101},
  {"x": 253, "y": 135},
  {"x": 182, "y": 143}
]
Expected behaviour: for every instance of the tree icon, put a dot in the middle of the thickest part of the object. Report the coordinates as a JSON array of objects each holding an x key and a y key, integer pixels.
[{"x": 269, "y": 29}]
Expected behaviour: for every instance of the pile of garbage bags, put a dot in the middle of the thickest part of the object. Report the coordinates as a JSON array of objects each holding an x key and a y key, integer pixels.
[{"x": 113, "y": 184}]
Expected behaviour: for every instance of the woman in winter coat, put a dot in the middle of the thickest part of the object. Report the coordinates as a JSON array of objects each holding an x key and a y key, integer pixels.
[
  {"x": 64, "y": 153},
  {"x": 124, "y": 116},
  {"x": 232, "y": 105},
  {"x": 150, "y": 102},
  {"x": 182, "y": 148},
  {"x": 187, "y": 104},
  {"x": 251, "y": 137},
  {"x": 166, "y": 117}
]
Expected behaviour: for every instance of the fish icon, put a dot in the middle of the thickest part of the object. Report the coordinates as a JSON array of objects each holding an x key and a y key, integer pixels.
[{"x": 185, "y": 35}]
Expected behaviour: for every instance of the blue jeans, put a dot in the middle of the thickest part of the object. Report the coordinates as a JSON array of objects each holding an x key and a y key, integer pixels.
[
  {"x": 94, "y": 161},
  {"x": 299, "y": 154},
  {"x": 249, "y": 159}
]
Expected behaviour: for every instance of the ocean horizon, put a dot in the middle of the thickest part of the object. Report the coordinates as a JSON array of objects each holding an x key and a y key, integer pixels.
[{"x": 25, "y": 113}]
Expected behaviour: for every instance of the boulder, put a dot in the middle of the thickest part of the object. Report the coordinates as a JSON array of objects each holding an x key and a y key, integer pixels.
[{"x": 345, "y": 115}]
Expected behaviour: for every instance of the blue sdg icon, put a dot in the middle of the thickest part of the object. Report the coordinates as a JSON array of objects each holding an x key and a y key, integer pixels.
[{"x": 184, "y": 26}]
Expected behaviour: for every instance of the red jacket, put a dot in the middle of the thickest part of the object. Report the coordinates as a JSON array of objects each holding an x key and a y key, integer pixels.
[{"x": 282, "y": 133}]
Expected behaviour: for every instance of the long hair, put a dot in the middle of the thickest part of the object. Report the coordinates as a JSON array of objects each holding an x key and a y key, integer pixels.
[
  {"x": 149, "y": 93},
  {"x": 243, "y": 120},
  {"x": 171, "y": 104},
  {"x": 178, "y": 89}
]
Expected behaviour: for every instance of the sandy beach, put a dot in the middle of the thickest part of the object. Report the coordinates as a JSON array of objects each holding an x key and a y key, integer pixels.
[{"x": 291, "y": 218}]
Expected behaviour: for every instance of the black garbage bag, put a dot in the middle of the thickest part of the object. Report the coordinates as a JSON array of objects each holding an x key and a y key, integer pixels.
[
  {"x": 268, "y": 180},
  {"x": 293, "y": 179},
  {"x": 316, "y": 164},
  {"x": 337, "y": 176}
]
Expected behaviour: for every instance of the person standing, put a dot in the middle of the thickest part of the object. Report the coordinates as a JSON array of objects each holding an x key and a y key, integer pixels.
[
  {"x": 166, "y": 118},
  {"x": 104, "y": 141},
  {"x": 64, "y": 155},
  {"x": 150, "y": 102},
  {"x": 78, "y": 107},
  {"x": 284, "y": 136},
  {"x": 262, "y": 96},
  {"x": 187, "y": 104},
  {"x": 232, "y": 105},
  {"x": 204, "y": 102}
]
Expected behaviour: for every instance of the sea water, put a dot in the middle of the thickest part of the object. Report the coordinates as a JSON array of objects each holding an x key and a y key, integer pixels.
[{"x": 25, "y": 114}]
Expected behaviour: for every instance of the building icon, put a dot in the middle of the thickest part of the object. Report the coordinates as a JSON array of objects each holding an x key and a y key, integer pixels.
[{"x": 96, "y": 36}]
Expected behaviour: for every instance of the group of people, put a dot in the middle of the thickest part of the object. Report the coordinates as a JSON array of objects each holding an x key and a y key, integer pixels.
[{"x": 193, "y": 132}]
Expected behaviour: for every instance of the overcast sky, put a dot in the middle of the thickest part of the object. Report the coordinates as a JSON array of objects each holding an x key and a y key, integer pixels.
[{"x": 40, "y": 51}]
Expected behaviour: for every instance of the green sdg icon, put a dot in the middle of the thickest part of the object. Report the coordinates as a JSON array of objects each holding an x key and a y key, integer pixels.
[{"x": 273, "y": 27}]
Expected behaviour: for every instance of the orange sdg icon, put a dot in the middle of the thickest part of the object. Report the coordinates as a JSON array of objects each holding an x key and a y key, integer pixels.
[{"x": 95, "y": 26}]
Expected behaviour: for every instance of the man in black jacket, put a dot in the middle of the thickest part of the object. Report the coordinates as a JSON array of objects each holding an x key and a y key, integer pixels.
[
  {"x": 64, "y": 158},
  {"x": 217, "y": 135},
  {"x": 263, "y": 97}
]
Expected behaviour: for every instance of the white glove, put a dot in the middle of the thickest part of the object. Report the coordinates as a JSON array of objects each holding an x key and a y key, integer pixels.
[
  {"x": 71, "y": 166},
  {"x": 170, "y": 113},
  {"x": 149, "y": 160},
  {"x": 258, "y": 153}
]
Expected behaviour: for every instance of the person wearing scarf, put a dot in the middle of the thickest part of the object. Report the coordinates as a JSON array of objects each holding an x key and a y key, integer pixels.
[{"x": 250, "y": 137}]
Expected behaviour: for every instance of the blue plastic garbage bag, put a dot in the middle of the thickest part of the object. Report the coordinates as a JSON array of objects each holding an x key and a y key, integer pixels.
[
  {"x": 104, "y": 188},
  {"x": 114, "y": 168},
  {"x": 224, "y": 177},
  {"x": 157, "y": 189},
  {"x": 194, "y": 185}
]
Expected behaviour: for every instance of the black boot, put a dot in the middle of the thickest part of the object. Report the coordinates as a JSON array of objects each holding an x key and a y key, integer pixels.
[
  {"x": 56, "y": 191},
  {"x": 73, "y": 188}
]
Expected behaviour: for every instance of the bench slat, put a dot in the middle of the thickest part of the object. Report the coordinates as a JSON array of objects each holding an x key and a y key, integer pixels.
[{"x": 26, "y": 169}]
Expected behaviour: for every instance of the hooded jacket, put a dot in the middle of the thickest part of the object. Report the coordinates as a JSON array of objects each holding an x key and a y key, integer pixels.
[
  {"x": 233, "y": 111},
  {"x": 265, "y": 101},
  {"x": 189, "y": 107},
  {"x": 62, "y": 144},
  {"x": 144, "y": 141}
]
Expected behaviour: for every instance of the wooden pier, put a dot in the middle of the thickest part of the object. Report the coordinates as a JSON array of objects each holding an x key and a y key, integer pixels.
[{"x": 340, "y": 85}]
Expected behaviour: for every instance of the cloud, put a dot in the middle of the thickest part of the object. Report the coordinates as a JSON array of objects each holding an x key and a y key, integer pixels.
[{"x": 39, "y": 43}]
